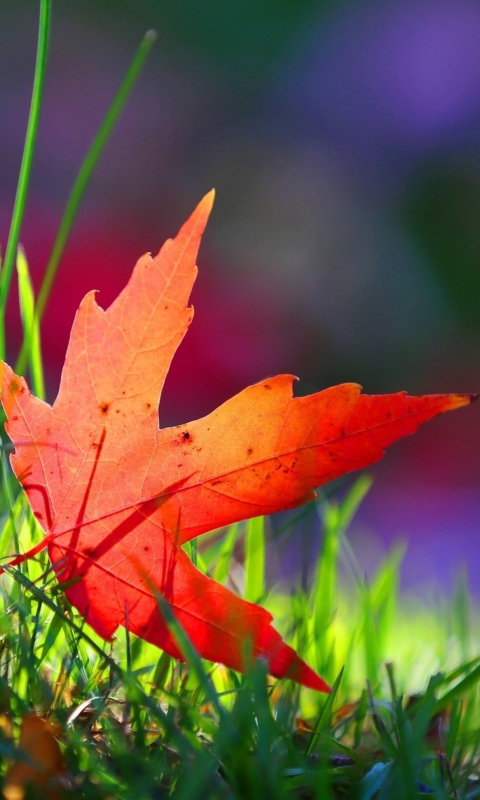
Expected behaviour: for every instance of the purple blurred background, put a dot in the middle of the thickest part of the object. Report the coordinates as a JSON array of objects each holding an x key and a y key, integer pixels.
[{"x": 344, "y": 143}]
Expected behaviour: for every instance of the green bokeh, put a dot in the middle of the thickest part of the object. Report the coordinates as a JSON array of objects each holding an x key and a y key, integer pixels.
[{"x": 442, "y": 209}]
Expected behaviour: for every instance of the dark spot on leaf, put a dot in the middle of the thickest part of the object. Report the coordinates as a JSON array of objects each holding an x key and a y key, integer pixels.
[
  {"x": 165, "y": 307},
  {"x": 388, "y": 414},
  {"x": 14, "y": 419},
  {"x": 146, "y": 548},
  {"x": 14, "y": 386},
  {"x": 89, "y": 550},
  {"x": 266, "y": 386},
  {"x": 186, "y": 436},
  {"x": 38, "y": 514},
  {"x": 148, "y": 405},
  {"x": 215, "y": 483},
  {"x": 286, "y": 470},
  {"x": 250, "y": 451},
  {"x": 117, "y": 411},
  {"x": 343, "y": 432},
  {"x": 104, "y": 407}
]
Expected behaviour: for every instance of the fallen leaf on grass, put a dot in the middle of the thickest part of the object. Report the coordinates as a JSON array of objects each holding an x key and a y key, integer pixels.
[
  {"x": 117, "y": 496},
  {"x": 40, "y": 776}
]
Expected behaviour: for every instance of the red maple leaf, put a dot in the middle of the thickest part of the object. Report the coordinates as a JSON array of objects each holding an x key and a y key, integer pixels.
[{"x": 117, "y": 496}]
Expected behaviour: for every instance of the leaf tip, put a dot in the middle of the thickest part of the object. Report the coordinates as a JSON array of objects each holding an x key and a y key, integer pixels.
[
  {"x": 207, "y": 201},
  {"x": 300, "y": 672},
  {"x": 465, "y": 399},
  {"x": 198, "y": 219},
  {"x": 312, "y": 680}
]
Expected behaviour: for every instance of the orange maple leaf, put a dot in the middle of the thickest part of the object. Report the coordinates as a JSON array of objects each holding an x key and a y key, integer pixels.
[{"x": 117, "y": 496}]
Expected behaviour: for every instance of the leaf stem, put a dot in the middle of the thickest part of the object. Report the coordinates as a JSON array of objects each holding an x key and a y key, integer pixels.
[
  {"x": 26, "y": 165},
  {"x": 81, "y": 183}
]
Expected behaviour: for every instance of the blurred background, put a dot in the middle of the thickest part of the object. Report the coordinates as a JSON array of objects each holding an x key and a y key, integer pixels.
[{"x": 343, "y": 139}]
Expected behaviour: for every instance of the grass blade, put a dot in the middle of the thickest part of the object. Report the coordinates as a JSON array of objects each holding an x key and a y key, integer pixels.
[
  {"x": 471, "y": 680},
  {"x": 374, "y": 780},
  {"x": 336, "y": 519},
  {"x": 353, "y": 500},
  {"x": 255, "y": 559},
  {"x": 323, "y": 721},
  {"x": 26, "y": 166},
  {"x": 188, "y": 651},
  {"x": 30, "y": 323},
  {"x": 81, "y": 183},
  {"x": 222, "y": 567}
]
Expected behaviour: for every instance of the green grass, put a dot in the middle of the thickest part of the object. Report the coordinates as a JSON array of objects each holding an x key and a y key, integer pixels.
[
  {"x": 401, "y": 722},
  {"x": 135, "y": 723}
]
